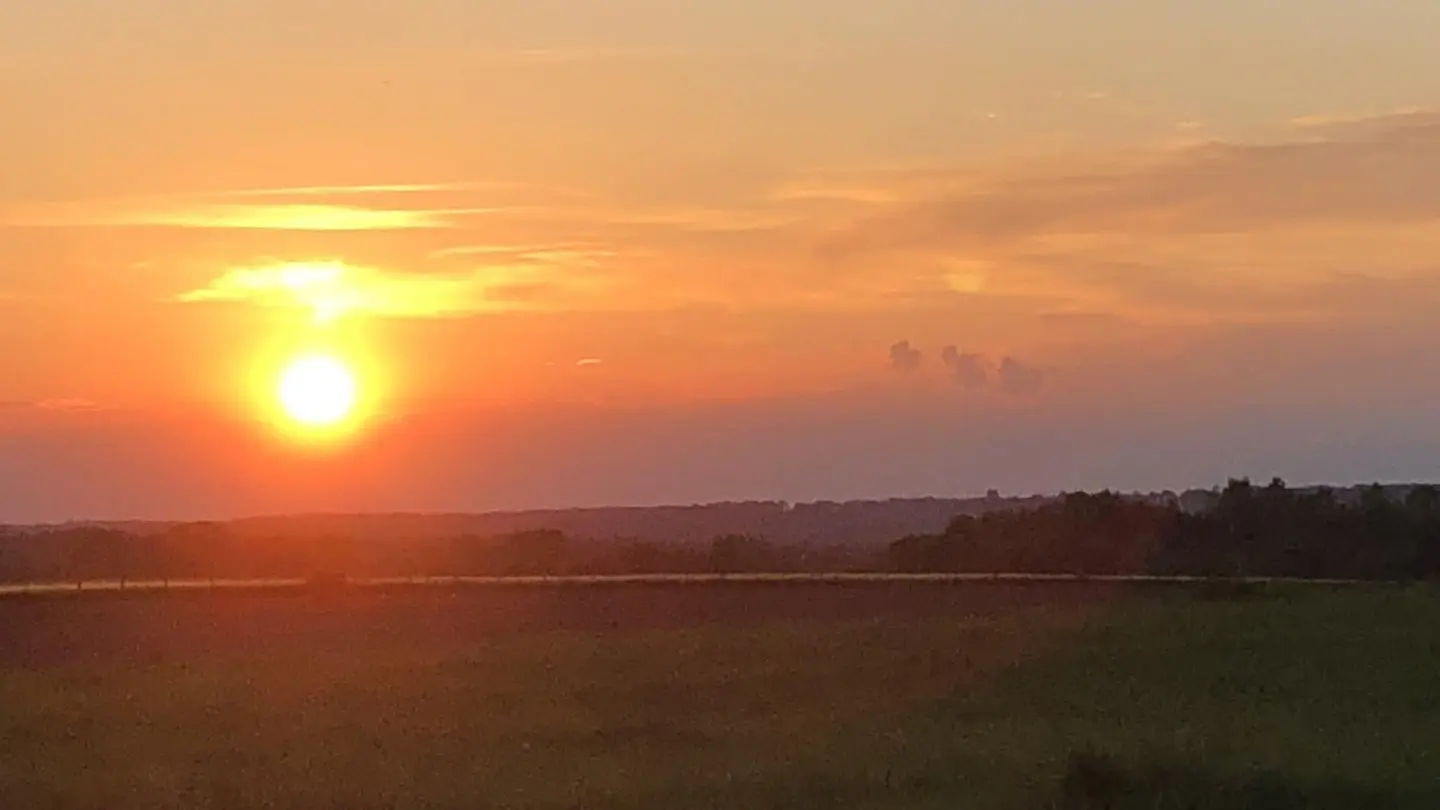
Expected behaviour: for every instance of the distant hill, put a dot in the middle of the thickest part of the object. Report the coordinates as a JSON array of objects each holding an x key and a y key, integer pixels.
[
  {"x": 819, "y": 523},
  {"x": 824, "y": 523}
]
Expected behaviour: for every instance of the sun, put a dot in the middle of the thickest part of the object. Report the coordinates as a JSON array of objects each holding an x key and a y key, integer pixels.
[{"x": 317, "y": 391}]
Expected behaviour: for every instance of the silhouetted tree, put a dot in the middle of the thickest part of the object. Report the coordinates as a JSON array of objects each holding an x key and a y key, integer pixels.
[
  {"x": 538, "y": 552},
  {"x": 736, "y": 553},
  {"x": 1266, "y": 531},
  {"x": 90, "y": 552},
  {"x": 1423, "y": 502},
  {"x": 1369, "y": 533},
  {"x": 196, "y": 550}
]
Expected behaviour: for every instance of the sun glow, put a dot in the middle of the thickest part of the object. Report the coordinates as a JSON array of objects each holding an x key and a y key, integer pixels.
[
  {"x": 334, "y": 291},
  {"x": 317, "y": 391}
]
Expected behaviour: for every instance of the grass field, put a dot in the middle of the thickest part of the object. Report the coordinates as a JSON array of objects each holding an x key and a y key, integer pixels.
[{"x": 783, "y": 696}]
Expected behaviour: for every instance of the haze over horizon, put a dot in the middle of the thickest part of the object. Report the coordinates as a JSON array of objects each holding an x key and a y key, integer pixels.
[{"x": 625, "y": 253}]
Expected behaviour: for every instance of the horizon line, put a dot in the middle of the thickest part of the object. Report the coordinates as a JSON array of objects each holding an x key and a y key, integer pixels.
[{"x": 788, "y": 504}]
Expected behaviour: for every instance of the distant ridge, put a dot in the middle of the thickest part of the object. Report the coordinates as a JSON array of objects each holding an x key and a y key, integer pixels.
[
  {"x": 829, "y": 523},
  {"x": 820, "y": 522}
]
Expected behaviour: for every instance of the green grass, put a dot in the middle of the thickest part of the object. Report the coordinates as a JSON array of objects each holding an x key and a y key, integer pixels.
[{"x": 1311, "y": 699}]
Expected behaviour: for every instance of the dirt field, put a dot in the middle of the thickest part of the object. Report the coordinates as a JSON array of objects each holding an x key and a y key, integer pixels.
[{"x": 156, "y": 628}]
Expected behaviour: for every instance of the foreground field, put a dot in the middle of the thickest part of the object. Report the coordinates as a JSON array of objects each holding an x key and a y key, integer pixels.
[{"x": 983, "y": 696}]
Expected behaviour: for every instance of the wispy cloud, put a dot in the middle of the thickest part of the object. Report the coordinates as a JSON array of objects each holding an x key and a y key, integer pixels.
[
  {"x": 574, "y": 255},
  {"x": 1332, "y": 122},
  {"x": 589, "y": 55},
  {"x": 700, "y": 220},
  {"x": 554, "y": 55},
  {"x": 345, "y": 190},
  {"x": 69, "y": 405},
  {"x": 473, "y": 189},
  {"x": 506, "y": 250},
  {"x": 276, "y": 217},
  {"x": 817, "y": 192},
  {"x": 1210, "y": 230},
  {"x": 333, "y": 290},
  {"x": 1213, "y": 232},
  {"x": 18, "y": 414},
  {"x": 348, "y": 207},
  {"x": 311, "y": 218},
  {"x": 1391, "y": 173}
]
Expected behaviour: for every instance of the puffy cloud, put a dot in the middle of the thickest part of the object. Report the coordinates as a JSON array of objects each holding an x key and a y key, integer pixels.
[
  {"x": 974, "y": 371},
  {"x": 968, "y": 370},
  {"x": 904, "y": 357}
]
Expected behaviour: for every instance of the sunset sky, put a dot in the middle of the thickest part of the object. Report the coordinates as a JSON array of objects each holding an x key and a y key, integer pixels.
[{"x": 642, "y": 251}]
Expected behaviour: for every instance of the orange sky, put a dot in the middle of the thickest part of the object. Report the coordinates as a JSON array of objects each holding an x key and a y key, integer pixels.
[{"x": 508, "y": 213}]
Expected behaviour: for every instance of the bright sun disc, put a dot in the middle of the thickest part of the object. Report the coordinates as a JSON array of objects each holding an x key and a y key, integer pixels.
[{"x": 317, "y": 391}]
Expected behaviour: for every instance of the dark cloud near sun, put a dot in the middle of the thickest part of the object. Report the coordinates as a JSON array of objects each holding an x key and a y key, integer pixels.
[
  {"x": 966, "y": 369},
  {"x": 974, "y": 371},
  {"x": 904, "y": 357}
]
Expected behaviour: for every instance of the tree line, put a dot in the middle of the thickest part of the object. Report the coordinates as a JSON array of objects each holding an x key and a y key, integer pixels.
[
  {"x": 1249, "y": 530},
  {"x": 1245, "y": 530},
  {"x": 212, "y": 551}
]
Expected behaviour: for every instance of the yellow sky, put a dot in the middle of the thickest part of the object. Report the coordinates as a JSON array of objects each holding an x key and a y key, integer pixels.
[{"x": 637, "y": 203}]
